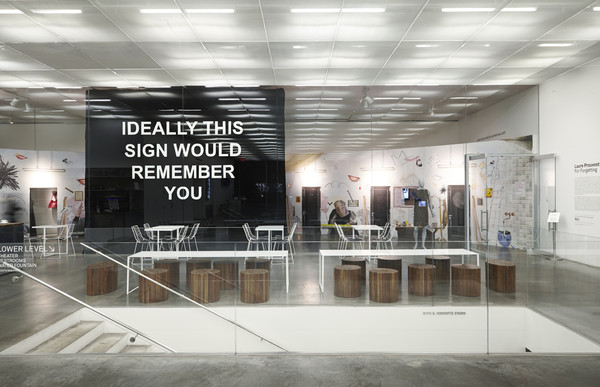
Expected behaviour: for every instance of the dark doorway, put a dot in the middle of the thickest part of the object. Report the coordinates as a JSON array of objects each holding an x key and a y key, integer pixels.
[
  {"x": 456, "y": 213},
  {"x": 380, "y": 205},
  {"x": 311, "y": 214}
]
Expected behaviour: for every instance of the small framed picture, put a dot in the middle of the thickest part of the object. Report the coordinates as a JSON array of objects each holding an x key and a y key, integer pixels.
[
  {"x": 297, "y": 199},
  {"x": 352, "y": 203},
  {"x": 78, "y": 196}
]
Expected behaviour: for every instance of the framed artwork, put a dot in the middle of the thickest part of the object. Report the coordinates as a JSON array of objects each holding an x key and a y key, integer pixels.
[
  {"x": 352, "y": 203},
  {"x": 78, "y": 196}
]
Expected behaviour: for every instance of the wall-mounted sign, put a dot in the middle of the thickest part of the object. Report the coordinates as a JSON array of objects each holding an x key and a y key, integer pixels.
[{"x": 489, "y": 192}]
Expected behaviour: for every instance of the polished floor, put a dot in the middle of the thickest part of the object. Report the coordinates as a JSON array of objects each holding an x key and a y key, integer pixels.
[{"x": 564, "y": 291}]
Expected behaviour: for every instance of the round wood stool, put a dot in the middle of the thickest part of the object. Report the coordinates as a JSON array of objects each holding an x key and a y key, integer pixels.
[
  {"x": 195, "y": 264},
  {"x": 259, "y": 263},
  {"x": 254, "y": 286},
  {"x": 173, "y": 266},
  {"x": 151, "y": 292},
  {"x": 442, "y": 267},
  {"x": 358, "y": 261},
  {"x": 346, "y": 281},
  {"x": 383, "y": 285},
  {"x": 229, "y": 273},
  {"x": 421, "y": 279},
  {"x": 503, "y": 276},
  {"x": 466, "y": 280},
  {"x": 101, "y": 278},
  {"x": 205, "y": 285},
  {"x": 391, "y": 263}
]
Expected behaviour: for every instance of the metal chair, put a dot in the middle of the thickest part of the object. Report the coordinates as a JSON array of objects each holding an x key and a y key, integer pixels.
[
  {"x": 253, "y": 239},
  {"x": 289, "y": 239},
  {"x": 66, "y": 235},
  {"x": 385, "y": 237},
  {"x": 139, "y": 239}
]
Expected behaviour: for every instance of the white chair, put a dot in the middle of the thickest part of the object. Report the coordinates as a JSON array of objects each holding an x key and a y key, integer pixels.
[
  {"x": 179, "y": 241},
  {"x": 385, "y": 237},
  {"x": 140, "y": 239},
  {"x": 289, "y": 240},
  {"x": 192, "y": 235},
  {"x": 345, "y": 240},
  {"x": 253, "y": 239},
  {"x": 66, "y": 235}
]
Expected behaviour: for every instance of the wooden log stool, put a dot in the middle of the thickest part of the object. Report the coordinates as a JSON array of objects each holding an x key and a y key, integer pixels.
[
  {"x": 151, "y": 292},
  {"x": 442, "y": 267},
  {"x": 229, "y": 273},
  {"x": 421, "y": 279},
  {"x": 101, "y": 278},
  {"x": 466, "y": 280},
  {"x": 383, "y": 285},
  {"x": 205, "y": 285},
  {"x": 254, "y": 286},
  {"x": 391, "y": 263},
  {"x": 503, "y": 276},
  {"x": 259, "y": 263},
  {"x": 172, "y": 265},
  {"x": 346, "y": 281},
  {"x": 195, "y": 264},
  {"x": 358, "y": 261}
]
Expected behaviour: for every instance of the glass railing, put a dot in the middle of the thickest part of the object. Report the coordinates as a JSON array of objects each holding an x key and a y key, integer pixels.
[{"x": 440, "y": 299}]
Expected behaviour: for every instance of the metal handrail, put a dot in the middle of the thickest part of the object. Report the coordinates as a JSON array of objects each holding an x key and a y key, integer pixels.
[
  {"x": 6, "y": 264},
  {"x": 186, "y": 298}
]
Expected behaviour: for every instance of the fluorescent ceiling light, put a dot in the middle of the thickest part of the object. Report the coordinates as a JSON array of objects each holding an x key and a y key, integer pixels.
[
  {"x": 425, "y": 45},
  {"x": 10, "y": 11},
  {"x": 253, "y": 99},
  {"x": 210, "y": 10},
  {"x": 463, "y": 97},
  {"x": 555, "y": 44},
  {"x": 399, "y": 109},
  {"x": 363, "y": 10},
  {"x": 386, "y": 98},
  {"x": 229, "y": 99},
  {"x": 596, "y": 9},
  {"x": 318, "y": 99},
  {"x": 298, "y": 47},
  {"x": 468, "y": 9},
  {"x": 519, "y": 9},
  {"x": 98, "y": 100},
  {"x": 69, "y": 100},
  {"x": 412, "y": 98},
  {"x": 160, "y": 11},
  {"x": 56, "y": 11},
  {"x": 337, "y": 10}
]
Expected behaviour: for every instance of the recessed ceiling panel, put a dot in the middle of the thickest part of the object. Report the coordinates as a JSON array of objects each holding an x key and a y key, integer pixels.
[
  {"x": 481, "y": 54},
  {"x": 185, "y": 55},
  {"x": 361, "y": 54},
  {"x": 422, "y": 54},
  {"x": 57, "y": 55},
  {"x": 299, "y": 55},
  {"x": 536, "y": 56},
  {"x": 240, "y": 55}
]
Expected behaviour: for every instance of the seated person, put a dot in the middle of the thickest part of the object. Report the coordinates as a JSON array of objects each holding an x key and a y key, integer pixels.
[{"x": 341, "y": 215}]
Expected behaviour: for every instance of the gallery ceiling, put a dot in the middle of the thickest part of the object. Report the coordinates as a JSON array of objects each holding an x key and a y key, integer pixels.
[{"x": 389, "y": 69}]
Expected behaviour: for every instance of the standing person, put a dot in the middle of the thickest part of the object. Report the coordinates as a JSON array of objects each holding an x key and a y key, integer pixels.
[{"x": 421, "y": 213}]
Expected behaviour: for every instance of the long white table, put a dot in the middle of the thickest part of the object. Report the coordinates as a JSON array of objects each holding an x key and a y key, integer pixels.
[
  {"x": 269, "y": 229},
  {"x": 386, "y": 253},
  {"x": 367, "y": 228},
  {"x": 57, "y": 227},
  {"x": 165, "y": 228},
  {"x": 158, "y": 255}
]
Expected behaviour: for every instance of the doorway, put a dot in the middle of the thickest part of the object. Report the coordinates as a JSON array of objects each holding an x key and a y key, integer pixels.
[
  {"x": 311, "y": 214},
  {"x": 456, "y": 213},
  {"x": 380, "y": 205},
  {"x": 42, "y": 207}
]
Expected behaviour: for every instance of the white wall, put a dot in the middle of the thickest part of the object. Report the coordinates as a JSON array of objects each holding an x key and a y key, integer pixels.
[{"x": 570, "y": 128}]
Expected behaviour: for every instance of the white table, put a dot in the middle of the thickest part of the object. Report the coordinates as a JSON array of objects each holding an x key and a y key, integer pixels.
[
  {"x": 158, "y": 255},
  {"x": 367, "y": 228},
  {"x": 57, "y": 227},
  {"x": 385, "y": 253},
  {"x": 270, "y": 229},
  {"x": 168, "y": 228}
]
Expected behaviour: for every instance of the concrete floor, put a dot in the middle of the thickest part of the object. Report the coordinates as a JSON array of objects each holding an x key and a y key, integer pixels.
[
  {"x": 300, "y": 370},
  {"x": 564, "y": 291}
]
